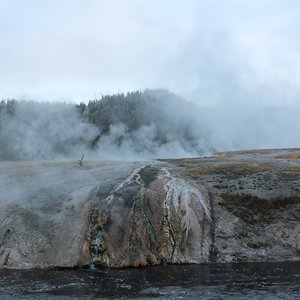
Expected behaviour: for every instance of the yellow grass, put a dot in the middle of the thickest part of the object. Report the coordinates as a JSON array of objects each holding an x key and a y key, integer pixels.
[
  {"x": 206, "y": 170},
  {"x": 290, "y": 155},
  {"x": 250, "y": 167},
  {"x": 222, "y": 158},
  {"x": 238, "y": 168}
]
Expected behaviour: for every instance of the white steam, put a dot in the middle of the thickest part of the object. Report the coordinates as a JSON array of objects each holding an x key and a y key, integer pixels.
[
  {"x": 167, "y": 127},
  {"x": 40, "y": 131}
]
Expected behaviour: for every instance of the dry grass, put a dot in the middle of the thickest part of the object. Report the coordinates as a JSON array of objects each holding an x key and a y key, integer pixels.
[
  {"x": 258, "y": 151},
  {"x": 185, "y": 165},
  {"x": 222, "y": 158},
  {"x": 249, "y": 167},
  {"x": 246, "y": 152},
  {"x": 289, "y": 175},
  {"x": 197, "y": 163},
  {"x": 252, "y": 209},
  {"x": 289, "y": 155},
  {"x": 207, "y": 170},
  {"x": 236, "y": 169},
  {"x": 293, "y": 168},
  {"x": 24, "y": 174}
]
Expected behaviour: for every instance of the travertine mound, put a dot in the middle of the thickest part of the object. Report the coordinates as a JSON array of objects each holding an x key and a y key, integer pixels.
[
  {"x": 45, "y": 207},
  {"x": 151, "y": 218}
]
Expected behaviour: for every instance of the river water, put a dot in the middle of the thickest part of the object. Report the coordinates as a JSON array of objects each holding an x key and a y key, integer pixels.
[{"x": 215, "y": 281}]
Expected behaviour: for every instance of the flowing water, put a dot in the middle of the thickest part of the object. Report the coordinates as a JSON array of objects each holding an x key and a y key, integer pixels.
[{"x": 215, "y": 281}]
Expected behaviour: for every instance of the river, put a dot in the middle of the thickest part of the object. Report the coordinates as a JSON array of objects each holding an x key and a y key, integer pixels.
[{"x": 213, "y": 281}]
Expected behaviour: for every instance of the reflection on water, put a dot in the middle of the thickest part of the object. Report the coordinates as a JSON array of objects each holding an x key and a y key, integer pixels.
[{"x": 234, "y": 281}]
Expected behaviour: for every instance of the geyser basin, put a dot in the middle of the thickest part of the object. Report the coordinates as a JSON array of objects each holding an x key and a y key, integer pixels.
[
  {"x": 232, "y": 207},
  {"x": 45, "y": 210}
]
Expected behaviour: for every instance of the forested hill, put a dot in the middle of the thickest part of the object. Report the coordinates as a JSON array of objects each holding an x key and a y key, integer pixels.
[{"x": 141, "y": 124}]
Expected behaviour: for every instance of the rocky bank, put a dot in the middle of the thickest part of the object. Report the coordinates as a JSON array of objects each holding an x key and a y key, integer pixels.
[
  {"x": 230, "y": 207},
  {"x": 255, "y": 203}
]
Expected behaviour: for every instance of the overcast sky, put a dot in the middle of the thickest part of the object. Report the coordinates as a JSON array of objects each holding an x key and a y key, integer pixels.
[{"x": 211, "y": 52}]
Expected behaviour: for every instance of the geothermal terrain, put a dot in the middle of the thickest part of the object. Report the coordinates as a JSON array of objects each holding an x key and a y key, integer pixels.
[
  {"x": 121, "y": 207},
  {"x": 255, "y": 203},
  {"x": 229, "y": 207}
]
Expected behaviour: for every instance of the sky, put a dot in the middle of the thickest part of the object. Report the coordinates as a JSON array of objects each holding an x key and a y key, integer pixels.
[{"x": 215, "y": 53}]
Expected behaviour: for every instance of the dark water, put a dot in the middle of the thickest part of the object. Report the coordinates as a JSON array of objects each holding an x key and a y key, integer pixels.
[{"x": 230, "y": 281}]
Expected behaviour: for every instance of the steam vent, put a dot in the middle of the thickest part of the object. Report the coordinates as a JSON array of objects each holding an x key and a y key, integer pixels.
[{"x": 230, "y": 207}]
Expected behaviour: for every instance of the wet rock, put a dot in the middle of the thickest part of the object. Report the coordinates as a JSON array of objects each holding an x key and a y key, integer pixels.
[
  {"x": 153, "y": 218},
  {"x": 45, "y": 208}
]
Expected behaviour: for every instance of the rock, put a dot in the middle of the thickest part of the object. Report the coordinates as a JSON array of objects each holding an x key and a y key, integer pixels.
[
  {"x": 45, "y": 207},
  {"x": 152, "y": 218},
  {"x": 255, "y": 203},
  {"x": 230, "y": 207}
]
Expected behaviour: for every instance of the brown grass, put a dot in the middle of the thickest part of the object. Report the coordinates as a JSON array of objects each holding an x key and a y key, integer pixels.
[
  {"x": 250, "y": 167},
  {"x": 289, "y": 155},
  {"x": 207, "y": 170},
  {"x": 24, "y": 174},
  {"x": 236, "y": 169},
  {"x": 289, "y": 175},
  {"x": 222, "y": 158},
  {"x": 293, "y": 168},
  {"x": 252, "y": 209}
]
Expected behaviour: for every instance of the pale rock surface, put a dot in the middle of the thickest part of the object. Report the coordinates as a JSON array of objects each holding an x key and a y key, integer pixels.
[
  {"x": 230, "y": 207},
  {"x": 44, "y": 210}
]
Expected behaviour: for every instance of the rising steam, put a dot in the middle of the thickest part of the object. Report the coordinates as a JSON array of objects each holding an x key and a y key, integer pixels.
[{"x": 139, "y": 125}]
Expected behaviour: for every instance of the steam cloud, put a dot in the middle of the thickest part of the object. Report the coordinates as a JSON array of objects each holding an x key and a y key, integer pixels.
[
  {"x": 139, "y": 125},
  {"x": 30, "y": 130}
]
